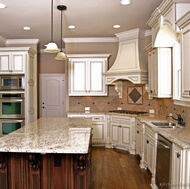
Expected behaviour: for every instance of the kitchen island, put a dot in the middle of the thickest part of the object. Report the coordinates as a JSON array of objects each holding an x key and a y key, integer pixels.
[{"x": 49, "y": 153}]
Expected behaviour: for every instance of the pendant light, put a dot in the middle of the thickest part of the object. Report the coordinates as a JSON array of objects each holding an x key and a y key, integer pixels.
[
  {"x": 61, "y": 55},
  {"x": 51, "y": 47}
]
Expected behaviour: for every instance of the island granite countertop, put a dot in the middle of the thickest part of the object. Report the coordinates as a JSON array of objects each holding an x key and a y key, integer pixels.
[{"x": 50, "y": 135}]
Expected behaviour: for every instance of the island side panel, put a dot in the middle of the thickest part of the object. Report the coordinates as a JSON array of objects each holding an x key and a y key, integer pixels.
[{"x": 49, "y": 171}]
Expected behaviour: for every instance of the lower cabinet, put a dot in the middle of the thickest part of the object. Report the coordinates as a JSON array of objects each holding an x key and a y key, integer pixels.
[
  {"x": 150, "y": 146},
  {"x": 122, "y": 132},
  {"x": 180, "y": 172},
  {"x": 99, "y": 126},
  {"x": 139, "y": 138}
]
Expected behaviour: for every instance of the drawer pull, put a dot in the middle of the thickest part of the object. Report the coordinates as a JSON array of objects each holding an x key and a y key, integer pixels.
[{"x": 137, "y": 132}]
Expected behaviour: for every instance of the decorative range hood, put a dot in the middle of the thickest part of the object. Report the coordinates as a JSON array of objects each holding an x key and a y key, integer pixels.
[{"x": 131, "y": 62}]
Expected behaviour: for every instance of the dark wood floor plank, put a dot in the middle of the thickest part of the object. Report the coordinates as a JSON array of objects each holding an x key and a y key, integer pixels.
[{"x": 117, "y": 169}]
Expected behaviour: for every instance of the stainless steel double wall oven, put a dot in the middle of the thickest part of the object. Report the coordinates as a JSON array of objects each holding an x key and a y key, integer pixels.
[{"x": 12, "y": 103}]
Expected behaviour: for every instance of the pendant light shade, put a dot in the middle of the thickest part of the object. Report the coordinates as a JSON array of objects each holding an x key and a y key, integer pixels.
[
  {"x": 61, "y": 55},
  {"x": 51, "y": 47}
]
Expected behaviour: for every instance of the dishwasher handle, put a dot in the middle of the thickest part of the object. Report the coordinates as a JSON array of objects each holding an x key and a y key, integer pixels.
[{"x": 162, "y": 143}]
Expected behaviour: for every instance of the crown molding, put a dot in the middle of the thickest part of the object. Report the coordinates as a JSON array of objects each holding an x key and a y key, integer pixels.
[
  {"x": 22, "y": 41},
  {"x": 91, "y": 40}
]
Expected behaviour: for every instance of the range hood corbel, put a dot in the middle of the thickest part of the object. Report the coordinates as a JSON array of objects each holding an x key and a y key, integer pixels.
[
  {"x": 131, "y": 62},
  {"x": 118, "y": 87}
]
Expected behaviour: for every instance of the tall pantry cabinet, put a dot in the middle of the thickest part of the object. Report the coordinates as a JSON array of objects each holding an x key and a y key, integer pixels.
[{"x": 22, "y": 61}]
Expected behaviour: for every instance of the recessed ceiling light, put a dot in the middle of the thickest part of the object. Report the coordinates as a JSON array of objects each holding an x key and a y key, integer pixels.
[
  {"x": 116, "y": 26},
  {"x": 71, "y": 27},
  {"x": 125, "y": 2},
  {"x": 26, "y": 28},
  {"x": 2, "y": 6}
]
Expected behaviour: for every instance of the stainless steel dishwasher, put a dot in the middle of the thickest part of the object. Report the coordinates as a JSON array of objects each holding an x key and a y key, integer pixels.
[{"x": 163, "y": 162}]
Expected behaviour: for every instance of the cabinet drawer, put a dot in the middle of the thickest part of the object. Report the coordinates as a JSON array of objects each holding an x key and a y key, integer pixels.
[
  {"x": 97, "y": 118},
  {"x": 123, "y": 119}
]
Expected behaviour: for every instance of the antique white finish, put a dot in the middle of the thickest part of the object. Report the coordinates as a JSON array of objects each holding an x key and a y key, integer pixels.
[
  {"x": 22, "y": 60},
  {"x": 184, "y": 25},
  {"x": 122, "y": 132},
  {"x": 85, "y": 75},
  {"x": 160, "y": 72},
  {"x": 131, "y": 60},
  {"x": 139, "y": 141}
]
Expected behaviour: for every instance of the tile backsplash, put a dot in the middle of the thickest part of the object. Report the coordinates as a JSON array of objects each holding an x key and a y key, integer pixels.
[{"x": 134, "y": 97}]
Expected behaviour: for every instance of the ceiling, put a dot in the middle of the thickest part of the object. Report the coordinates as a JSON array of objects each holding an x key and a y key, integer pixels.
[{"x": 92, "y": 18}]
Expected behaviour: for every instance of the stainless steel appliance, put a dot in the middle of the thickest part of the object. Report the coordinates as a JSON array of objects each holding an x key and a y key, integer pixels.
[
  {"x": 9, "y": 125},
  {"x": 163, "y": 162},
  {"x": 12, "y": 105},
  {"x": 12, "y": 82}
]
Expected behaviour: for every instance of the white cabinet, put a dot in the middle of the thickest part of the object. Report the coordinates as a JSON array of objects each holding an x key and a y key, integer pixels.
[
  {"x": 150, "y": 146},
  {"x": 176, "y": 166},
  {"x": 12, "y": 62},
  {"x": 122, "y": 132},
  {"x": 139, "y": 138},
  {"x": 22, "y": 60},
  {"x": 98, "y": 126},
  {"x": 86, "y": 75},
  {"x": 184, "y": 25},
  {"x": 160, "y": 77},
  {"x": 180, "y": 174}
]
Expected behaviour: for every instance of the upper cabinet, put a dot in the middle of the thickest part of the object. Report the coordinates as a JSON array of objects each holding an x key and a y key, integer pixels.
[
  {"x": 184, "y": 24},
  {"x": 12, "y": 62},
  {"x": 86, "y": 74},
  {"x": 159, "y": 67}
]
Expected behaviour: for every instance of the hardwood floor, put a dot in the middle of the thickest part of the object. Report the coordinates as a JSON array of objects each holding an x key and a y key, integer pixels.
[{"x": 117, "y": 169}]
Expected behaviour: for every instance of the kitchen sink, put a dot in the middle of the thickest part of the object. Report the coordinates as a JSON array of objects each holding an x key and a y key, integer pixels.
[{"x": 163, "y": 124}]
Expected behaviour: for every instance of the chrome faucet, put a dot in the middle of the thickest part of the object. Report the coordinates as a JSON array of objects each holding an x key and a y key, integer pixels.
[{"x": 179, "y": 119}]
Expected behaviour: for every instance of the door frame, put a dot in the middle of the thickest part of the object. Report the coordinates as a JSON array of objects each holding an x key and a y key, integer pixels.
[{"x": 40, "y": 91}]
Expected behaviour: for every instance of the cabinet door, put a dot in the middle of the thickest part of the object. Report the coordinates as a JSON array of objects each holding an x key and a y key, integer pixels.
[
  {"x": 126, "y": 135},
  {"x": 176, "y": 165},
  {"x": 95, "y": 77},
  {"x": 139, "y": 141},
  {"x": 18, "y": 62},
  {"x": 159, "y": 62},
  {"x": 185, "y": 63},
  {"x": 149, "y": 153},
  {"x": 115, "y": 133},
  {"x": 98, "y": 132},
  {"x": 78, "y": 76},
  {"x": 152, "y": 66},
  {"x": 5, "y": 59}
]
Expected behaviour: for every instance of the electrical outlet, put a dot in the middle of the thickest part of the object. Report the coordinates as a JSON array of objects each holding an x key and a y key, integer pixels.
[{"x": 151, "y": 111}]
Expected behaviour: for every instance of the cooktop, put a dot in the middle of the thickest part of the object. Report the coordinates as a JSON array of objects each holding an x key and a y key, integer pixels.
[{"x": 128, "y": 112}]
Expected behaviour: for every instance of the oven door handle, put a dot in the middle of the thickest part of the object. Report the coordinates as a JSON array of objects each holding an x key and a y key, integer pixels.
[{"x": 162, "y": 143}]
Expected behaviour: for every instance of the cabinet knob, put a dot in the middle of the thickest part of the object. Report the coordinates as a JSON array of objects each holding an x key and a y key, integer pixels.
[
  {"x": 43, "y": 107},
  {"x": 151, "y": 91},
  {"x": 147, "y": 141},
  {"x": 137, "y": 132}
]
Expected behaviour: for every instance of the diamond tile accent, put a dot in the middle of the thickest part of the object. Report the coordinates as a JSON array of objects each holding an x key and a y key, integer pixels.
[{"x": 135, "y": 95}]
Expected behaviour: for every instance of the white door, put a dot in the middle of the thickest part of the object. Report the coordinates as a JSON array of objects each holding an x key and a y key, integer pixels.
[{"x": 52, "y": 103}]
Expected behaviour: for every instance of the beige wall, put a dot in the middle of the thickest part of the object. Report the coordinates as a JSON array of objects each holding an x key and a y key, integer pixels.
[{"x": 47, "y": 64}]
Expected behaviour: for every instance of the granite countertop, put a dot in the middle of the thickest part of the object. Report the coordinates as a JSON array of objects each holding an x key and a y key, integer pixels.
[
  {"x": 179, "y": 135},
  {"x": 50, "y": 135}
]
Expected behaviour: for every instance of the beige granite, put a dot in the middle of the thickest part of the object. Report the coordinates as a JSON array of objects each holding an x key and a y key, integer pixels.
[
  {"x": 178, "y": 135},
  {"x": 50, "y": 135}
]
